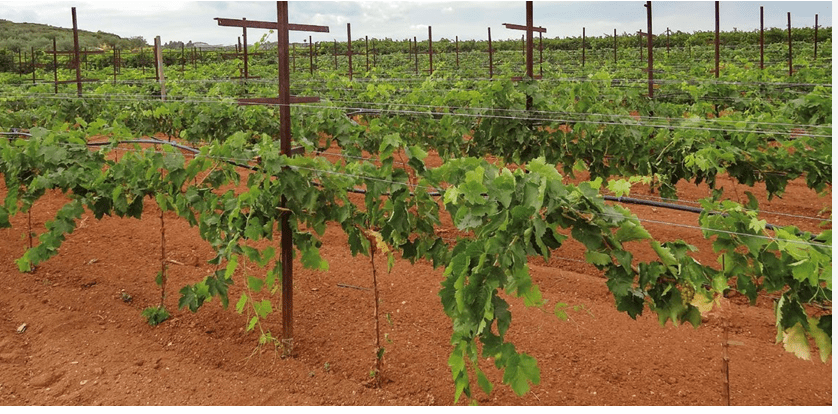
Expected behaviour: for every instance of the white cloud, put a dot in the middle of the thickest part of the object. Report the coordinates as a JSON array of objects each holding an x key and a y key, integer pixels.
[{"x": 178, "y": 20}]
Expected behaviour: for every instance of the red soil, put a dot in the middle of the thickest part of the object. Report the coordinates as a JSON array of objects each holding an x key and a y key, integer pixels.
[{"x": 85, "y": 346}]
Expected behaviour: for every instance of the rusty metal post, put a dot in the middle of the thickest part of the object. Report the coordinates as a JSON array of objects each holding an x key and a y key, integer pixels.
[
  {"x": 716, "y": 39},
  {"x": 183, "y": 57},
  {"x": 367, "y": 51},
  {"x": 583, "y": 47},
  {"x": 310, "y": 57},
  {"x": 293, "y": 57},
  {"x": 524, "y": 48},
  {"x": 76, "y": 51},
  {"x": 667, "y": 42},
  {"x": 283, "y": 102},
  {"x": 349, "y": 48},
  {"x": 335, "y": 54},
  {"x": 286, "y": 248},
  {"x": 816, "y": 37},
  {"x": 415, "y": 55},
  {"x": 457, "y": 46},
  {"x": 34, "y": 64},
  {"x": 244, "y": 50},
  {"x": 374, "y": 60},
  {"x": 430, "y": 53},
  {"x": 529, "y": 49},
  {"x": 650, "y": 51},
  {"x": 761, "y": 38},
  {"x": 114, "y": 65},
  {"x": 790, "y": 64},
  {"x": 615, "y": 46},
  {"x": 55, "y": 64},
  {"x": 19, "y": 63},
  {"x": 490, "y": 53}
]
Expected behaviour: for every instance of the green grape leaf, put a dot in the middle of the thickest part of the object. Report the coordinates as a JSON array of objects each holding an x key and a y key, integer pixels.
[
  {"x": 240, "y": 304},
  {"x": 254, "y": 283},
  {"x": 794, "y": 341},
  {"x": 521, "y": 370},
  {"x": 823, "y": 339}
]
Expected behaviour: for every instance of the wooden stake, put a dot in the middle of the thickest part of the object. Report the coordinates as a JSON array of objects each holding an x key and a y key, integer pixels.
[{"x": 158, "y": 50}]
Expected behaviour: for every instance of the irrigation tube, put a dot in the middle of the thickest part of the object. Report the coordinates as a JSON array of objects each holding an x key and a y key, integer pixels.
[
  {"x": 697, "y": 210},
  {"x": 625, "y": 200}
]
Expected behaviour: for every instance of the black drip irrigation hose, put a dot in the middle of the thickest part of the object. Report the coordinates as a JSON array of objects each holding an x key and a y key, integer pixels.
[
  {"x": 625, "y": 200},
  {"x": 698, "y": 210}
]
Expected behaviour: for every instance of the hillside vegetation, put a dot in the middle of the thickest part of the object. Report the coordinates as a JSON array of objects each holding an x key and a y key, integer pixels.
[{"x": 25, "y": 36}]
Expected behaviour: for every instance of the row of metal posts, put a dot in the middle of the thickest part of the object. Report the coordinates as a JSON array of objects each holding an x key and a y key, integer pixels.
[{"x": 241, "y": 51}]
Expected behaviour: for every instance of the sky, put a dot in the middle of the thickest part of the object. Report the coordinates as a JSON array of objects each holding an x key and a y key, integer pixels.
[{"x": 193, "y": 21}]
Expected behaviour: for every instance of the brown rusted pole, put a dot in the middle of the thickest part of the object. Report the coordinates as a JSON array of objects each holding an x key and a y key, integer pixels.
[
  {"x": 457, "y": 45},
  {"x": 790, "y": 65},
  {"x": 615, "y": 46},
  {"x": 114, "y": 65},
  {"x": 55, "y": 64},
  {"x": 19, "y": 63},
  {"x": 816, "y": 37},
  {"x": 374, "y": 61},
  {"x": 716, "y": 39},
  {"x": 761, "y": 38},
  {"x": 335, "y": 54},
  {"x": 310, "y": 57},
  {"x": 244, "y": 36},
  {"x": 34, "y": 64},
  {"x": 367, "y": 51},
  {"x": 286, "y": 253},
  {"x": 430, "y": 53},
  {"x": 490, "y": 53},
  {"x": 583, "y": 47},
  {"x": 415, "y": 55},
  {"x": 524, "y": 47},
  {"x": 294, "y": 57},
  {"x": 649, "y": 49},
  {"x": 76, "y": 51},
  {"x": 529, "y": 49},
  {"x": 667, "y": 42},
  {"x": 183, "y": 57},
  {"x": 349, "y": 48}
]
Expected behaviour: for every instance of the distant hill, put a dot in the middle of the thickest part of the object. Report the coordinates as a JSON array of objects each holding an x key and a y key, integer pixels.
[{"x": 24, "y": 36}]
